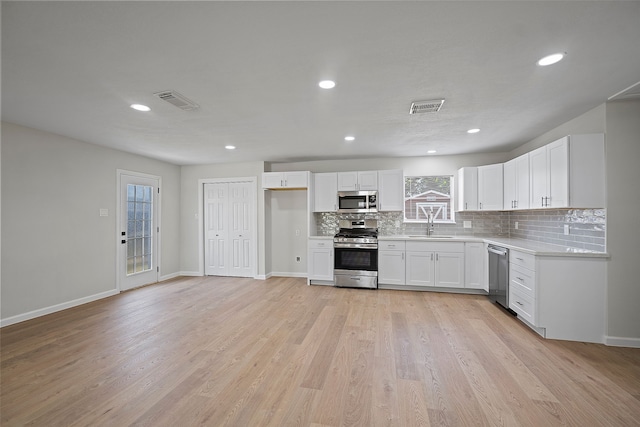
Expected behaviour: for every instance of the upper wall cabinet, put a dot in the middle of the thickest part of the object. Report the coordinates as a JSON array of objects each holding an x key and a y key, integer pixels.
[
  {"x": 490, "y": 187},
  {"x": 516, "y": 183},
  {"x": 325, "y": 192},
  {"x": 285, "y": 180},
  {"x": 391, "y": 190},
  {"x": 358, "y": 181},
  {"x": 568, "y": 172},
  {"x": 468, "y": 189}
]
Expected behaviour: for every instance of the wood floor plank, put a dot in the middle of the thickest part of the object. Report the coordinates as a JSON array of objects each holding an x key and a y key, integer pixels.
[{"x": 277, "y": 352}]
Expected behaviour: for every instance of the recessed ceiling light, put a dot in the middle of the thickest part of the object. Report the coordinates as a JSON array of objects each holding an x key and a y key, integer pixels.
[
  {"x": 476, "y": 130},
  {"x": 327, "y": 84},
  {"x": 431, "y": 152},
  {"x": 230, "y": 147},
  {"x": 551, "y": 59},
  {"x": 349, "y": 138},
  {"x": 140, "y": 107}
]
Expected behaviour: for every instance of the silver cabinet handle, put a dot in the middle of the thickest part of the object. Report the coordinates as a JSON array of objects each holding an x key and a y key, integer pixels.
[
  {"x": 403, "y": 256},
  {"x": 542, "y": 201},
  {"x": 519, "y": 303},
  {"x": 431, "y": 257},
  {"x": 392, "y": 246},
  {"x": 480, "y": 205},
  {"x": 520, "y": 278},
  {"x": 519, "y": 259},
  {"x": 466, "y": 205},
  {"x": 437, "y": 258}
]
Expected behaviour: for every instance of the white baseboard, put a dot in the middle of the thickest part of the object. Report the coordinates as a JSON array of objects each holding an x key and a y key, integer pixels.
[
  {"x": 54, "y": 308},
  {"x": 170, "y": 276},
  {"x": 189, "y": 273},
  {"x": 262, "y": 276},
  {"x": 287, "y": 274},
  {"x": 622, "y": 342}
]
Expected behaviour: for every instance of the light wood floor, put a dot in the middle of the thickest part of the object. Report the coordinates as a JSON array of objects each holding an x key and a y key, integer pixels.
[{"x": 240, "y": 352}]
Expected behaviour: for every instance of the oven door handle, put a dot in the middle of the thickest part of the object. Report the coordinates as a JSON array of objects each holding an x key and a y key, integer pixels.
[{"x": 355, "y": 245}]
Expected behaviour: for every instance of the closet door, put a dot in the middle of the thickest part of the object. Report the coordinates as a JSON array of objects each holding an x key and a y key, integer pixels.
[
  {"x": 241, "y": 230},
  {"x": 216, "y": 210}
]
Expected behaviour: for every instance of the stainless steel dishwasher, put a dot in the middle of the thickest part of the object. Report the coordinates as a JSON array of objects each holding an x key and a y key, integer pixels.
[{"x": 499, "y": 275}]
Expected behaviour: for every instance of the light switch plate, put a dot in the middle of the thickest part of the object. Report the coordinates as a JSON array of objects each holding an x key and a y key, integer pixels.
[
  {"x": 466, "y": 224},
  {"x": 104, "y": 212}
]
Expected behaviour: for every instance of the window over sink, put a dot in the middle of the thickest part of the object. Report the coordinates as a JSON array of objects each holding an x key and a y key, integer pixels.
[{"x": 426, "y": 194}]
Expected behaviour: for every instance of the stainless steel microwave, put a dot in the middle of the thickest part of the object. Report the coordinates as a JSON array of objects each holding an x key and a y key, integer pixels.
[{"x": 357, "y": 201}]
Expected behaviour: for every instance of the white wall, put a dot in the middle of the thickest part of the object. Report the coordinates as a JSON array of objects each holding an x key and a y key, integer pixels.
[
  {"x": 623, "y": 206},
  {"x": 57, "y": 249},
  {"x": 190, "y": 216},
  {"x": 593, "y": 121},
  {"x": 288, "y": 213}
]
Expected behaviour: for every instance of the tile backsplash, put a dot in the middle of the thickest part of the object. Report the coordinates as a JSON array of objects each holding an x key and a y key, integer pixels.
[{"x": 586, "y": 227}]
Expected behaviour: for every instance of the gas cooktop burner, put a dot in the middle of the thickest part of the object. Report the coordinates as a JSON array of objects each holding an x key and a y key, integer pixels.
[{"x": 357, "y": 233}]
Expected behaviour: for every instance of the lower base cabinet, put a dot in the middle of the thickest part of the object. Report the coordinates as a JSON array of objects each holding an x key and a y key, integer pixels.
[
  {"x": 320, "y": 260},
  {"x": 391, "y": 262},
  {"x": 424, "y": 264}
]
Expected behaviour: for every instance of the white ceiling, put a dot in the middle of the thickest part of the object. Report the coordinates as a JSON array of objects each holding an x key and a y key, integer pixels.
[{"x": 73, "y": 68}]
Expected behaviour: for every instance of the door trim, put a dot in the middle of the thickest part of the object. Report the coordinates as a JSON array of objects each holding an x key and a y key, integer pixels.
[
  {"x": 120, "y": 173},
  {"x": 254, "y": 219}
]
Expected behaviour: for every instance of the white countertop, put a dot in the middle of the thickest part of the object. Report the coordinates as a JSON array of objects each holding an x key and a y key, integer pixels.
[{"x": 528, "y": 246}]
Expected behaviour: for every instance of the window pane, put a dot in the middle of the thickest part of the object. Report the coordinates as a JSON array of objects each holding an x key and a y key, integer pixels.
[
  {"x": 131, "y": 192},
  {"x": 139, "y": 264},
  {"x": 139, "y": 210},
  {"x": 130, "y": 266},
  {"x": 131, "y": 228},
  {"x": 147, "y": 262},
  {"x": 426, "y": 195},
  {"x": 146, "y": 211},
  {"x": 147, "y": 228},
  {"x": 131, "y": 247},
  {"x": 139, "y": 193},
  {"x": 147, "y": 194},
  {"x": 138, "y": 228},
  {"x": 147, "y": 245},
  {"x": 138, "y": 247}
]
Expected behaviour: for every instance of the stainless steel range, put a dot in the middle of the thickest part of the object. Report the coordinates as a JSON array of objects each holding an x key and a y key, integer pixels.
[{"x": 356, "y": 254}]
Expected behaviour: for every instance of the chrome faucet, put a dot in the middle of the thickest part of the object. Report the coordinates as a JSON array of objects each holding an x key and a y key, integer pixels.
[{"x": 430, "y": 222}]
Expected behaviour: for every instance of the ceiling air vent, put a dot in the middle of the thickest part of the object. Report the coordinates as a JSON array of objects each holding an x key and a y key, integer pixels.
[
  {"x": 426, "y": 106},
  {"x": 174, "y": 98}
]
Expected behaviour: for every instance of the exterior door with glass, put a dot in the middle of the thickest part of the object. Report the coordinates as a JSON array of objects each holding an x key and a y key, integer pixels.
[{"x": 138, "y": 231}]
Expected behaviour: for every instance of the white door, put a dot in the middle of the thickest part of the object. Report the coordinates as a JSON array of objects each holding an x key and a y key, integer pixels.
[
  {"x": 229, "y": 229},
  {"x": 216, "y": 206},
  {"x": 241, "y": 229},
  {"x": 139, "y": 227}
]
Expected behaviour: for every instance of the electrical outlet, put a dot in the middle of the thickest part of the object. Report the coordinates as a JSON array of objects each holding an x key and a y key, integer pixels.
[
  {"x": 516, "y": 225},
  {"x": 566, "y": 229},
  {"x": 297, "y": 259},
  {"x": 466, "y": 224},
  {"x": 297, "y": 233}
]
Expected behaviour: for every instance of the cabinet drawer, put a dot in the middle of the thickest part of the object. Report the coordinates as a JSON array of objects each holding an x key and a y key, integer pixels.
[
  {"x": 522, "y": 259},
  {"x": 435, "y": 246},
  {"x": 523, "y": 280},
  {"x": 391, "y": 245},
  {"x": 523, "y": 305},
  {"x": 320, "y": 243}
]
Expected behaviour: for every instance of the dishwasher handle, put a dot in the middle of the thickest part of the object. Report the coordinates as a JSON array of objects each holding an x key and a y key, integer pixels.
[{"x": 497, "y": 252}]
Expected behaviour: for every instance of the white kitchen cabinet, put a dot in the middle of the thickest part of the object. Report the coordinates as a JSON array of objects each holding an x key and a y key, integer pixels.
[
  {"x": 391, "y": 262},
  {"x": 490, "y": 189},
  {"x": 437, "y": 264},
  {"x": 522, "y": 284},
  {"x": 561, "y": 297},
  {"x": 358, "y": 181},
  {"x": 325, "y": 192},
  {"x": 320, "y": 261},
  {"x": 568, "y": 172},
  {"x": 285, "y": 180},
  {"x": 468, "y": 189},
  {"x": 391, "y": 190},
  {"x": 475, "y": 254},
  {"x": 516, "y": 183}
]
